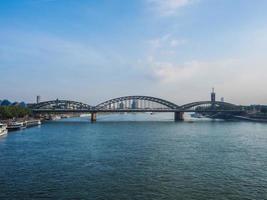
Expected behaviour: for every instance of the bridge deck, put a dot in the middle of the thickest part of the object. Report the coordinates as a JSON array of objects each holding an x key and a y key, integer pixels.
[{"x": 128, "y": 110}]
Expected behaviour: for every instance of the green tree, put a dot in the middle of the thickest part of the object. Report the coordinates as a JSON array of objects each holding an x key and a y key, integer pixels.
[{"x": 9, "y": 112}]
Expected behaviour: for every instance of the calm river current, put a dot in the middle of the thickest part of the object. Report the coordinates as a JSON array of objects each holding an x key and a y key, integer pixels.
[{"x": 117, "y": 160}]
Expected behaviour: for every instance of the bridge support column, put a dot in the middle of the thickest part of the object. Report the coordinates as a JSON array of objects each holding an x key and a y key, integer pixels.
[
  {"x": 178, "y": 116},
  {"x": 93, "y": 117}
]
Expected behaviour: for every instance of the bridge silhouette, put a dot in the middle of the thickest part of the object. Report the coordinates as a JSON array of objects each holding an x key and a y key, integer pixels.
[{"x": 135, "y": 104}]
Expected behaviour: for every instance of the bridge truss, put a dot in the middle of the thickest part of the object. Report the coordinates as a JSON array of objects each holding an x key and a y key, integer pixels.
[{"x": 134, "y": 104}]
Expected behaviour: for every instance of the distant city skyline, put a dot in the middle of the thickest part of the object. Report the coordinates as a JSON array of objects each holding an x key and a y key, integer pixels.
[{"x": 91, "y": 51}]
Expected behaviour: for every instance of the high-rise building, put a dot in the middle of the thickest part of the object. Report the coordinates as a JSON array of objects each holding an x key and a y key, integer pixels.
[
  {"x": 38, "y": 99},
  {"x": 134, "y": 104},
  {"x": 121, "y": 105},
  {"x": 213, "y": 95},
  {"x": 222, "y": 99}
]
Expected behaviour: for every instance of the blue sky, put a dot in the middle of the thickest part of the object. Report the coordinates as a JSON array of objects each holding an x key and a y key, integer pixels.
[{"x": 93, "y": 50}]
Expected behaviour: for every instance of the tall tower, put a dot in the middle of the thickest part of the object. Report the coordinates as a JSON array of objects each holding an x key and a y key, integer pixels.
[
  {"x": 38, "y": 99},
  {"x": 213, "y": 98},
  {"x": 213, "y": 95}
]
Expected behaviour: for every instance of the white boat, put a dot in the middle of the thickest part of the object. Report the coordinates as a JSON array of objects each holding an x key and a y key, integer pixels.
[
  {"x": 31, "y": 123},
  {"x": 196, "y": 115},
  {"x": 85, "y": 115},
  {"x": 15, "y": 126},
  {"x": 53, "y": 118},
  {"x": 3, "y": 129}
]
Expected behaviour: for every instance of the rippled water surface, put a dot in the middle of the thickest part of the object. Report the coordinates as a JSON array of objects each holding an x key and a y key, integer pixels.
[{"x": 75, "y": 159}]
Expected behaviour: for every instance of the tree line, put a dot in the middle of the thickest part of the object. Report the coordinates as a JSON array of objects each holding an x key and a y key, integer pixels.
[{"x": 10, "y": 112}]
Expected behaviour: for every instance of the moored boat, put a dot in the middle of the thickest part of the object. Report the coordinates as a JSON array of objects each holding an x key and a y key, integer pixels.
[
  {"x": 12, "y": 126},
  {"x": 3, "y": 129},
  {"x": 56, "y": 117},
  {"x": 31, "y": 123},
  {"x": 64, "y": 116}
]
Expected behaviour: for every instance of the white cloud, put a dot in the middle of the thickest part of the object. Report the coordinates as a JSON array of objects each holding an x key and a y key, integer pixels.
[
  {"x": 164, "y": 46},
  {"x": 168, "y": 72},
  {"x": 177, "y": 42},
  {"x": 239, "y": 76},
  {"x": 168, "y": 7},
  {"x": 232, "y": 78}
]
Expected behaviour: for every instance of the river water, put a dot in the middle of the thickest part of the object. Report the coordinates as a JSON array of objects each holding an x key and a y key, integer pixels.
[{"x": 135, "y": 159}]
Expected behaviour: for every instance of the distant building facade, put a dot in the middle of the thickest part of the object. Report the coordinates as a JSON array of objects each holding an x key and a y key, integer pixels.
[
  {"x": 38, "y": 99},
  {"x": 213, "y": 95}
]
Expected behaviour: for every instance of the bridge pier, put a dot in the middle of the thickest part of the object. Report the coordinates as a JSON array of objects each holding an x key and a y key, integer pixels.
[
  {"x": 178, "y": 116},
  {"x": 93, "y": 117}
]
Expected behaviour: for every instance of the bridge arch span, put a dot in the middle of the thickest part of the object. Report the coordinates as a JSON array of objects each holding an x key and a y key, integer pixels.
[
  {"x": 216, "y": 104},
  {"x": 130, "y": 101},
  {"x": 61, "y": 104}
]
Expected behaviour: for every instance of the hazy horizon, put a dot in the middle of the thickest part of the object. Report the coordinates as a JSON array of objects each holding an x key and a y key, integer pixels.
[{"x": 92, "y": 51}]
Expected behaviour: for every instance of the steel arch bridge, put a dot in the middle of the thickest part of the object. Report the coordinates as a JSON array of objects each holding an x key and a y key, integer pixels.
[{"x": 134, "y": 104}]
